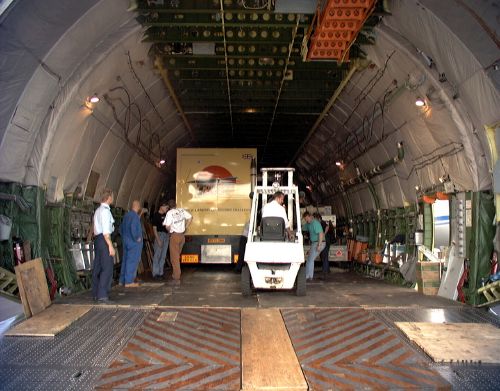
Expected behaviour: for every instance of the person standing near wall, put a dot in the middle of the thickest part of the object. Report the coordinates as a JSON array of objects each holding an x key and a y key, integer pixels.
[
  {"x": 177, "y": 222},
  {"x": 317, "y": 237},
  {"x": 325, "y": 263},
  {"x": 329, "y": 239},
  {"x": 131, "y": 232},
  {"x": 162, "y": 239},
  {"x": 102, "y": 272}
]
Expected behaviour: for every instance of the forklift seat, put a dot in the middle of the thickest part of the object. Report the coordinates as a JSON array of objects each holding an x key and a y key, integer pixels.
[{"x": 273, "y": 229}]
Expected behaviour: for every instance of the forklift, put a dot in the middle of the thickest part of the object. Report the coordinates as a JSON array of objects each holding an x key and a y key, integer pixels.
[{"x": 273, "y": 259}]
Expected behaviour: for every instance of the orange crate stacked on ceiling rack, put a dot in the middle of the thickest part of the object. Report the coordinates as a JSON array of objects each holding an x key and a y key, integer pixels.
[{"x": 338, "y": 26}]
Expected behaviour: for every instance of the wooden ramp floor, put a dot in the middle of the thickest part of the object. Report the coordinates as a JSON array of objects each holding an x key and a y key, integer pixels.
[{"x": 268, "y": 360}]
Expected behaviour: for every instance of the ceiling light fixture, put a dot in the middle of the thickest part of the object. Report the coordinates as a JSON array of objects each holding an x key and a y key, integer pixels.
[
  {"x": 338, "y": 164},
  {"x": 94, "y": 98},
  {"x": 444, "y": 178},
  {"x": 162, "y": 161},
  {"x": 266, "y": 61},
  {"x": 420, "y": 102}
]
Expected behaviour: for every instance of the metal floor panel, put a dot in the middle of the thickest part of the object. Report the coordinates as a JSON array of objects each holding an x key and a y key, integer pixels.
[
  {"x": 180, "y": 349},
  {"x": 72, "y": 360},
  {"x": 471, "y": 377},
  {"x": 351, "y": 349},
  {"x": 48, "y": 378},
  {"x": 199, "y": 348},
  {"x": 435, "y": 315},
  {"x": 462, "y": 377}
]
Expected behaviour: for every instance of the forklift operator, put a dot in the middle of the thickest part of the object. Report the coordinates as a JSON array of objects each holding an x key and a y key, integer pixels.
[{"x": 275, "y": 208}]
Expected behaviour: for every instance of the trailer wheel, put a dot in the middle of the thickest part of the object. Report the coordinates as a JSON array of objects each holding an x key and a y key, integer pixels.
[
  {"x": 246, "y": 281},
  {"x": 300, "y": 284}
]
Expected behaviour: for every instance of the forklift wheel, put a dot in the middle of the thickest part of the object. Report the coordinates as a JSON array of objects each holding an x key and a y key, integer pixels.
[
  {"x": 300, "y": 285},
  {"x": 246, "y": 281}
]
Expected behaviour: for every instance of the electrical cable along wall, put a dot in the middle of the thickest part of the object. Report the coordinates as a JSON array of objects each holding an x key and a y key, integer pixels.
[
  {"x": 51, "y": 229},
  {"x": 44, "y": 226},
  {"x": 25, "y": 223}
]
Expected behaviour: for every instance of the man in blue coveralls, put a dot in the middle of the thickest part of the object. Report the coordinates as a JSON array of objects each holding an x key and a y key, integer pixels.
[
  {"x": 102, "y": 269},
  {"x": 131, "y": 232}
]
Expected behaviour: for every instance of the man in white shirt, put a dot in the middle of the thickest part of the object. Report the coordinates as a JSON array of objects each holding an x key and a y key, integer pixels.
[
  {"x": 177, "y": 222},
  {"x": 275, "y": 208},
  {"x": 102, "y": 272}
]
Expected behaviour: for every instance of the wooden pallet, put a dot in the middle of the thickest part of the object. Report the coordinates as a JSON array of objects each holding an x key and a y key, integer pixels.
[
  {"x": 491, "y": 292},
  {"x": 8, "y": 283}
]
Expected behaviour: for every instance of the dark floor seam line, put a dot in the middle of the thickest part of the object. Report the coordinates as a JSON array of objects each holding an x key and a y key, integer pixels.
[{"x": 291, "y": 342}]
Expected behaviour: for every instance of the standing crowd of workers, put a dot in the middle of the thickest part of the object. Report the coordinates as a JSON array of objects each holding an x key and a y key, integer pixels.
[{"x": 169, "y": 225}]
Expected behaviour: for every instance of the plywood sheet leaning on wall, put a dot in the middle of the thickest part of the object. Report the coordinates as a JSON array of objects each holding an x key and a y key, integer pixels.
[{"x": 33, "y": 287}]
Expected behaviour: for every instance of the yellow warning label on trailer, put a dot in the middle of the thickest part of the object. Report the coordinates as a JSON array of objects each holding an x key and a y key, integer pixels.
[
  {"x": 216, "y": 240},
  {"x": 190, "y": 258}
]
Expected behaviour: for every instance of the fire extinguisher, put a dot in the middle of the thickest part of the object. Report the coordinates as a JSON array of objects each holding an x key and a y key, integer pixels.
[
  {"x": 17, "y": 245},
  {"x": 494, "y": 263}
]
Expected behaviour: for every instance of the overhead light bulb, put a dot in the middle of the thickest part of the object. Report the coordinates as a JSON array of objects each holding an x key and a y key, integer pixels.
[
  {"x": 162, "y": 161},
  {"x": 338, "y": 164},
  {"x": 420, "y": 102},
  {"x": 444, "y": 178},
  {"x": 94, "y": 99}
]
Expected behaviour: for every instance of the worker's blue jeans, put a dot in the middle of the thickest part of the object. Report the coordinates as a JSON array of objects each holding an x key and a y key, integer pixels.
[
  {"x": 313, "y": 253},
  {"x": 160, "y": 254},
  {"x": 131, "y": 257},
  {"x": 102, "y": 270},
  {"x": 325, "y": 262}
]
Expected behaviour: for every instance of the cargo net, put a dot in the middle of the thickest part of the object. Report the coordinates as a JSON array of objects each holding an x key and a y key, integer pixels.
[{"x": 44, "y": 226}]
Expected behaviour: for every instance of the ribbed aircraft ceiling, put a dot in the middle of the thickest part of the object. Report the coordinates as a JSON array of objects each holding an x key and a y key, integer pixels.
[
  {"x": 238, "y": 72},
  {"x": 209, "y": 73}
]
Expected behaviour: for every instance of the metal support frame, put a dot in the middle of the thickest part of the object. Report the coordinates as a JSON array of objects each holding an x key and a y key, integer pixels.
[
  {"x": 283, "y": 78},
  {"x": 173, "y": 95},
  {"x": 355, "y": 66},
  {"x": 373, "y": 172},
  {"x": 222, "y": 16},
  {"x": 289, "y": 189}
]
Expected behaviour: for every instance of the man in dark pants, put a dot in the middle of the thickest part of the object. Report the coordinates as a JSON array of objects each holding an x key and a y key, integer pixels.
[
  {"x": 162, "y": 238},
  {"x": 242, "y": 247},
  {"x": 102, "y": 273}
]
